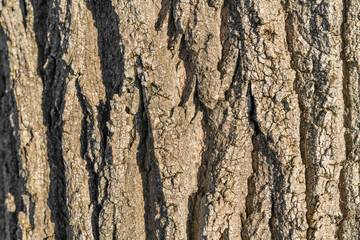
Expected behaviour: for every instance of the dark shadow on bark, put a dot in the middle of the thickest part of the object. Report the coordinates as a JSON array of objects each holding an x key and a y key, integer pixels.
[
  {"x": 53, "y": 107},
  {"x": 149, "y": 168},
  {"x": 24, "y": 11},
  {"x": 186, "y": 56},
  {"x": 262, "y": 145},
  {"x": 111, "y": 52},
  {"x": 261, "y": 142},
  {"x": 87, "y": 144},
  {"x": 54, "y": 77},
  {"x": 164, "y": 11},
  {"x": 209, "y": 170},
  {"x": 41, "y": 12},
  {"x": 167, "y": 9},
  {"x": 198, "y": 210},
  {"x": 189, "y": 221},
  {"x": 10, "y": 160},
  {"x": 215, "y": 149}
]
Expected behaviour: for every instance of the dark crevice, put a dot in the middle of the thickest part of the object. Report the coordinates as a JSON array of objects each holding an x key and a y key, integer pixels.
[
  {"x": 186, "y": 56},
  {"x": 114, "y": 235},
  {"x": 198, "y": 211},
  {"x": 23, "y": 11},
  {"x": 168, "y": 8},
  {"x": 10, "y": 160},
  {"x": 111, "y": 52},
  {"x": 191, "y": 213},
  {"x": 140, "y": 124},
  {"x": 41, "y": 12},
  {"x": 4, "y": 125},
  {"x": 225, "y": 235},
  {"x": 54, "y": 77},
  {"x": 347, "y": 125},
  {"x": 172, "y": 32},
  {"x": 238, "y": 82},
  {"x": 111, "y": 49},
  {"x": 214, "y": 150},
  {"x": 87, "y": 152},
  {"x": 252, "y": 113},
  {"x": 164, "y": 11},
  {"x": 255, "y": 21},
  {"x": 318, "y": 34},
  {"x": 156, "y": 223},
  {"x": 225, "y": 30},
  {"x": 54, "y": 99},
  {"x": 262, "y": 147}
]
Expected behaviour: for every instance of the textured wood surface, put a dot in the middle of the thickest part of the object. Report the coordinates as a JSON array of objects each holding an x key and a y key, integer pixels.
[{"x": 179, "y": 119}]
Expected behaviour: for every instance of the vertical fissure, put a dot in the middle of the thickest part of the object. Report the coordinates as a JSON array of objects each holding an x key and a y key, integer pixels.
[
  {"x": 111, "y": 52},
  {"x": 264, "y": 157},
  {"x": 54, "y": 72},
  {"x": 24, "y": 11},
  {"x": 186, "y": 55},
  {"x": 10, "y": 160},
  {"x": 199, "y": 210},
  {"x": 156, "y": 214},
  {"x": 140, "y": 123},
  {"x": 346, "y": 82},
  {"x": 254, "y": 157},
  {"x": 261, "y": 146},
  {"x": 87, "y": 144}
]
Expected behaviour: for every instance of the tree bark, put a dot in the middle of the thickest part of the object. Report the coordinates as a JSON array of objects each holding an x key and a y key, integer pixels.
[{"x": 179, "y": 119}]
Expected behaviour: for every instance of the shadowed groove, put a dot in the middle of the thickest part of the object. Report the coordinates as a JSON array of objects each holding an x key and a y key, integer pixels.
[
  {"x": 87, "y": 143},
  {"x": 10, "y": 160},
  {"x": 276, "y": 176},
  {"x": 343, "y": 188},
  {"x": 185, "y": 55},
  {"x": 54, "y": 80},
  {"x": 167, "y": 9},
  {"x": 214, "y": 150},
  {"x": 111, "y": 52},
  {"x": 155, "y": 221},
  {"x": 198, "y": 210},
  {"x": 24, "y": 11},
  {"x": 264, "y": 155}
]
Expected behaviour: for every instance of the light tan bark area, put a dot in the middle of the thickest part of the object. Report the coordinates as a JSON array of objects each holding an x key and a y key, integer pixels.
[{"x": 179, "y": 119}]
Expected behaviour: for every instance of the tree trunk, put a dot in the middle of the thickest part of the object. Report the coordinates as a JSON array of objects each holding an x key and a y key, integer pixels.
[{"x": 179, "y": 119}]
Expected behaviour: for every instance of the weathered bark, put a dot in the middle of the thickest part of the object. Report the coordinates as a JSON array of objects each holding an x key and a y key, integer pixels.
[{"x": 179, "y": 119}]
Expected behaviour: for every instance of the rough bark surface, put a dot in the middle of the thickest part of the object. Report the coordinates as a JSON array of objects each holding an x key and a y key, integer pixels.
[{"x": 179, "y": 119}]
